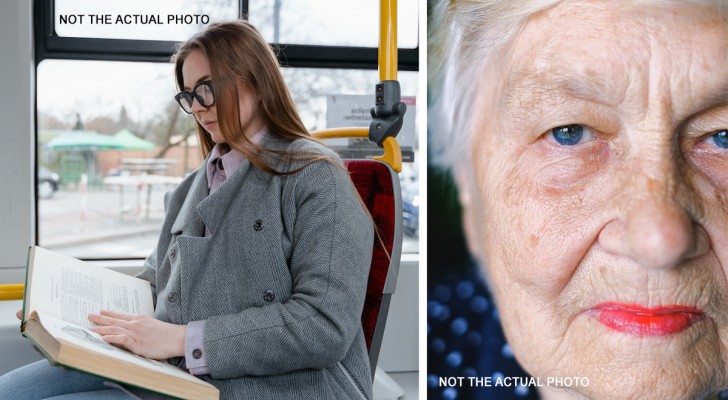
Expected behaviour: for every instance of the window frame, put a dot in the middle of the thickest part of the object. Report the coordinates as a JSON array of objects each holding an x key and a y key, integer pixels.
[{"x": 48, "y": 45}]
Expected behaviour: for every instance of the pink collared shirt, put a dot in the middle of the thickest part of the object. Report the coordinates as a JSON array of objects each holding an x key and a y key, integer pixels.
[
  {"x": 220, "y": 163},
  {"x": 223, "y": 161}
]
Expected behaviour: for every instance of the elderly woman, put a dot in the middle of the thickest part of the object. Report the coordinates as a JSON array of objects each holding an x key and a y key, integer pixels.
[{"x": 589, "y": 144}]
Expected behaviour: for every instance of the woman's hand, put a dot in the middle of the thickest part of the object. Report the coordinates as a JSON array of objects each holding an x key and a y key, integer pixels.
[
  {"x": 141, "y": 334},
  {"x": 19, "y": 314}
]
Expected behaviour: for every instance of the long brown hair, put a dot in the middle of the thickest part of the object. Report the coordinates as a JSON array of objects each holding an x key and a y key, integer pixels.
[{"x": 238, "y": 55}]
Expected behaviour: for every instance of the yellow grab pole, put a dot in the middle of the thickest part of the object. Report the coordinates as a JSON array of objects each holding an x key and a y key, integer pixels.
[
  {"x": 387, "y": 58},
  {"x": 340, "y": 133},
  {"x": 388, "y": 40},
  {"x": 392, "y": 152},
  {"x": 12, "y": 292}
]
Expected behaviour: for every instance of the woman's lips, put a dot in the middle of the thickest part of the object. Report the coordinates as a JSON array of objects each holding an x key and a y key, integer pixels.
[{"x": 641, "y": 321}]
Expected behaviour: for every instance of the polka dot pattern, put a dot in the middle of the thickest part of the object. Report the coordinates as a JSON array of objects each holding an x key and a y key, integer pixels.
[{"x": 465, "y": 340}]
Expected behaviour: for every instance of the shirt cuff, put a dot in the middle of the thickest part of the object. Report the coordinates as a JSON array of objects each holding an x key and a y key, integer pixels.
[{"x": 195, "y": 355}]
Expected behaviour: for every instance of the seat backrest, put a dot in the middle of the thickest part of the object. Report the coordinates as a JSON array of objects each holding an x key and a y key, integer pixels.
[{"x": 378, "y": 187}]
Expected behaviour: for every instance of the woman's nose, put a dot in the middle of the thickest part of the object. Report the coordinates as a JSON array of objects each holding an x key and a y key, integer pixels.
[
  {"x": 196, "y": 107},
  {"x": 655, "y": 226}
]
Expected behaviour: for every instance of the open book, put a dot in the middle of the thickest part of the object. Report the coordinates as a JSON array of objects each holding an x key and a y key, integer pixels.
[{"x": 61, "y": 291}]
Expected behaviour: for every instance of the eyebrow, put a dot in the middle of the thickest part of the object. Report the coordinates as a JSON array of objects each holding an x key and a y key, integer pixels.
[
  {"x": 201, "y": 79},
  {"x": 717, "y": 98}
]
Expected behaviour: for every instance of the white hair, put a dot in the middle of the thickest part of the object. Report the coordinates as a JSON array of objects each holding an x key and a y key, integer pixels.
[{"x": 463, "y": 37}]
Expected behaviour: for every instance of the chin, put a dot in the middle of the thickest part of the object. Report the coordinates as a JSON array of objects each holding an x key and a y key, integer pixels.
[
  {"x": 619, "y": 366},
  {"x": 216, "y": 137}
]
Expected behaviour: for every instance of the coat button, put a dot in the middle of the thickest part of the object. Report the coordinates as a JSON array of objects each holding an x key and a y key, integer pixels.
[
  {"x": 258, "y": 225},
  {"x": 197, "y": 354},
  {"x": 172, "y": 297},
  {"x": 269, "y": 295},
  {"x": 173, "y": 254}
]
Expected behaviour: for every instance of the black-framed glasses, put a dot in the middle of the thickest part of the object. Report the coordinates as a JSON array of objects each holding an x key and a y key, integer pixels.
[{"x": 202, "y": 92}]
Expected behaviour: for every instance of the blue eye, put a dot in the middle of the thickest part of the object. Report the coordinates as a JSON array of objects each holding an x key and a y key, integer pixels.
[
  {"x": 569, "y": 135},
  {"x": 720, "y": 139}
]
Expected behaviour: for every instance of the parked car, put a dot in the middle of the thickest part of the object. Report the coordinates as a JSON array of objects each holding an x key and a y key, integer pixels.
[{"x": 48, "y": 183}]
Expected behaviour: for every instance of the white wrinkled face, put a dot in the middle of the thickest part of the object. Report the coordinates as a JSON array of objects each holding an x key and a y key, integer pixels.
[{"x": 598, "y": 197}]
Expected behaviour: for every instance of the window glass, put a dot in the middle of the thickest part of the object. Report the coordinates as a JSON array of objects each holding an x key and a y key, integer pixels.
[
  {"x": 331, "y": 22},
  {"x": 111, "y": 142},
  {"x": 310, "y": 88},
  {"x": 139, "y": 19}
]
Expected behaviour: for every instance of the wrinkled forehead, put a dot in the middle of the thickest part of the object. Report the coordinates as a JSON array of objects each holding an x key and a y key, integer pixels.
[{"x": 606, "y": 49}]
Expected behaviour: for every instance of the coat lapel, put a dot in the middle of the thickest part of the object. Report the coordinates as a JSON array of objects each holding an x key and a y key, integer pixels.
[
  {"x": 189, "y": 222},
  {"x": 201, "y": 210},
  {"x": 213, "y": 208}
]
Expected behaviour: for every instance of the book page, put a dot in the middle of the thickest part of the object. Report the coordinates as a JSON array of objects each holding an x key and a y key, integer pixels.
[
  {"x": 70, "y": 289},
  {"x": 92, "y": 341}
]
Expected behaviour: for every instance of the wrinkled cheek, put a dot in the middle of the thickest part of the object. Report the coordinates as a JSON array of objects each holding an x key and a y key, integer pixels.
[
  {"x": 717, "y": 228},
  {"x": 536, "y": 203},
  {"x": 712, "y": 188},
  {"x": 529, "y": 235},
  {"x": 513, "y": 250},
  {"x": 718, "y": 233}
]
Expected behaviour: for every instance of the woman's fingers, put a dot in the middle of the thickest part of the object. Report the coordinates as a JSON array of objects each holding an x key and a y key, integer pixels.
[
  {"x": 125, "y": 317},
  {"x": 105, "y": 320},
  {"x": 140, "y": 334},
  {"x": 110, "y": 330},
  {"x": 113, "y": 331},
  {"x": 122, "y": 341},
  {"x": 19, "y": 314}
]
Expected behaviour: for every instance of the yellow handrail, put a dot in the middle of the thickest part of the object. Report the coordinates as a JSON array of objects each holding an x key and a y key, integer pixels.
[
  {"x": 12, "y": 292},
  {"x": 387, "y": 40},
  {"x": 387, "y": 58},
  {"x": 392, "y": 152},
  {"x": 341, "y": 133}
]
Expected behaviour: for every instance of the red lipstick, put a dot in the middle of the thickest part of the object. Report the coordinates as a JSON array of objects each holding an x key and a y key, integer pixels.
[{"x": 641, "y": 321}]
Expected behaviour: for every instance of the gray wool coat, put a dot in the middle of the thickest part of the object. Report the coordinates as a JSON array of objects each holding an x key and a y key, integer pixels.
[{"x": 281, "y": 279}]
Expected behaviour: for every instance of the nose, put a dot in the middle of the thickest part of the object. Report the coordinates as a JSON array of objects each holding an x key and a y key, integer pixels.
[
  {"x": 656, "y": 224},
  {"x": 196, "y": 107}
]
